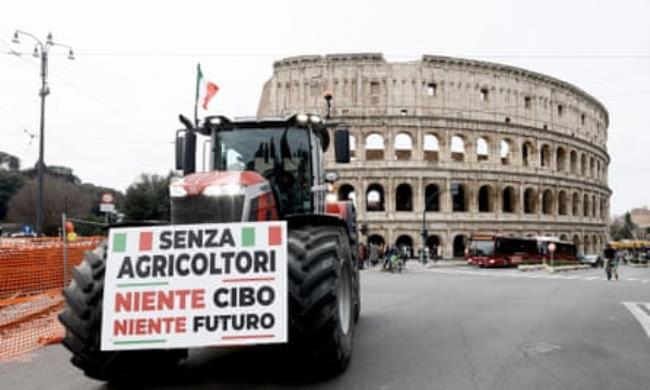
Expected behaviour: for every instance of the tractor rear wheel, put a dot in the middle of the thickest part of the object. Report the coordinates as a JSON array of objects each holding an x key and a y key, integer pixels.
[
  {"x": 322, "y": 297},
  {"x": 82, "y": 318}
]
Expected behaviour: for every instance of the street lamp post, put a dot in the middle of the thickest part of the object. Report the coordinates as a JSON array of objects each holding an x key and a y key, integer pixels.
[{"x": 42, "y": 50}]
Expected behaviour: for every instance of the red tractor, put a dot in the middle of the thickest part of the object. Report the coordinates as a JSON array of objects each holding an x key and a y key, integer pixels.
[{"x": 260, "y": 170}]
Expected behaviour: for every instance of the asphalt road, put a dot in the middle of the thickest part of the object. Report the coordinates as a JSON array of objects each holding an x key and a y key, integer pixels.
[{"x": 441, "y": 328}]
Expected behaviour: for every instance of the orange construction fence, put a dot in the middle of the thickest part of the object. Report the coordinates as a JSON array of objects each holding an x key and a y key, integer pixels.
[{"x": 31, "y": 279}]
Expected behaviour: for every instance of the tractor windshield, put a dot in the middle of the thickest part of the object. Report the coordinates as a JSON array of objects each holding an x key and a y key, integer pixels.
[{"x": 281, "y": 154}]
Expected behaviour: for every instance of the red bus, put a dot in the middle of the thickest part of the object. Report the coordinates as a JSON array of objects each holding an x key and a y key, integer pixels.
[
  {"x": 564, "y": 251},
  {"x": 500, "y": 251}
]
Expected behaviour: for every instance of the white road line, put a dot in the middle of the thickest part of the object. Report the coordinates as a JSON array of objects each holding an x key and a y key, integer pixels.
[
  {"x": 640, "y": 311},
  {"x": 632, "y": 279},
  {"x": 644, "y": 281},
  {"x": 592, "y": 278}
]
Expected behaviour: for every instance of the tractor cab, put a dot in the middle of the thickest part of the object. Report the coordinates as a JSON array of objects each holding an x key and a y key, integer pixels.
[{"x": 259, "y": 169}]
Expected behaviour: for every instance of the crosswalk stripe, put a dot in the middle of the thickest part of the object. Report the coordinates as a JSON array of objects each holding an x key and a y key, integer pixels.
[
  {"x": 527, "y": 275},
  {"x": 640, "y": 311}
]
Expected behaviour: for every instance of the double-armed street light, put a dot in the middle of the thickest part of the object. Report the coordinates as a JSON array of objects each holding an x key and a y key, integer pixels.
[{"x": 42, "y": 50}]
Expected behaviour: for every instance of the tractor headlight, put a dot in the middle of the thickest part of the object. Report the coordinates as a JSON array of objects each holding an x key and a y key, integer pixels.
[
  {"x": 225, "y": 190},
  {"x": 176, "y": 191},
  {"x": 302, "y": 119}
]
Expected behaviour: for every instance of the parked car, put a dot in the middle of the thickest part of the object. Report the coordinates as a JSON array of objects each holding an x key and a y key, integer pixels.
[{"x": 592, "y": 260}]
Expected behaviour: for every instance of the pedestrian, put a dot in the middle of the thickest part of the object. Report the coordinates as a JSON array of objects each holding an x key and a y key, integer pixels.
[
  {"x": 363, "y": 255},
  {"x": 611, "y": 262},
  {"x": 373, "y": 255}
]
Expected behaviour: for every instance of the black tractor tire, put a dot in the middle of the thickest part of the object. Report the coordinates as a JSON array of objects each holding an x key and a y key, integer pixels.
[
  {"x": 322, "y": 297},
  {"x": 82, "y": 318}
]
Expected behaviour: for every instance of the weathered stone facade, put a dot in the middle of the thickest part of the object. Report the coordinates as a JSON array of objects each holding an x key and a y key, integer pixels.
[{"x": 525, "y": 153}]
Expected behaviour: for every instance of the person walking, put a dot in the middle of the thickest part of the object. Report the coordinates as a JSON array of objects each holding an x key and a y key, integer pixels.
[
  {"x": 611, "y": 262},
  {"x": 373, "y": 255}
]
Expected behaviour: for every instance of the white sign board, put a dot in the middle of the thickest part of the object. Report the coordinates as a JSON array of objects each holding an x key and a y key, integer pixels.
[
  {"x": 181, "y": 286},
  {"x": 107, "y": 207}
]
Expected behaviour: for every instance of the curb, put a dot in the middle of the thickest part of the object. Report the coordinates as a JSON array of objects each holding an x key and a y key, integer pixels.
[{"x": 561, "y": 268}]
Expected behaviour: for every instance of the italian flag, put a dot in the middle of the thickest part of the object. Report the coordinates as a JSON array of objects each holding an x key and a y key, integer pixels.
[{"x": 205, "y": 90}]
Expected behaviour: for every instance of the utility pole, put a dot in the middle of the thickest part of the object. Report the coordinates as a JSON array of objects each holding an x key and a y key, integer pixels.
[{"x": 42, "y": 50}]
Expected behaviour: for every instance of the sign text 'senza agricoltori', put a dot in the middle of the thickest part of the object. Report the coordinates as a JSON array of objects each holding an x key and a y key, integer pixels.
[{"x": 195, "y": 285}]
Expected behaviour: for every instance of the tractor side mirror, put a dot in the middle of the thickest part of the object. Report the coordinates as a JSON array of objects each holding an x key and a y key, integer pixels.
[
  {"x": 189, "y": 153},
  {"x": 180, "y": 151},
  {"x": 342, "y": 146}
]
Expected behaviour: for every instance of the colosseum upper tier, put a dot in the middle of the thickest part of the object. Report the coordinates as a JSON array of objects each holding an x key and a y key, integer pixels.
[{"x": 458, "y": 146}]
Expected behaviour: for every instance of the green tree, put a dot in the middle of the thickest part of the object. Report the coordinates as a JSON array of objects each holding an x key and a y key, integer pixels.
[
  {"x": 59, "y": 195},
  {"x": 147, "y": 198},
  {"x": 10, "y": 180}
]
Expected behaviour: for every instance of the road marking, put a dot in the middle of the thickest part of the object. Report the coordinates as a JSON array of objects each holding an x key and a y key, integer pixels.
[
  {"x": 526, "y": 275},
  {"x": 640, "y": 311}
]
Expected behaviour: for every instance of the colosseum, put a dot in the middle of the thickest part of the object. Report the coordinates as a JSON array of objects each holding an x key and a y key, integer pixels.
[{"x": 458, "y": 147}]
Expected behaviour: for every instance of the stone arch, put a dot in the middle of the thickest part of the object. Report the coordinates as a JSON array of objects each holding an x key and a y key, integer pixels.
[
  {"x": 527, "y": 153},
  {"x": 403, "y": 146},
  {"x": 593, "y": 206},
  {"x": 403, "y": 197},
  {"x": 575, "y": 204},
  {"x": 432, "y": 197},
  {"x": 547, "y": 202},
  {"x": 459, "y": 245},
  {"x": 375, "y": 147},
  {"x": 587, "y": 245},
  {"x": 458, "y": 148},
  {"x": 595, "y": 243},
  {"x": 485, "y": 199},
  {"x": 404, "y": 240},
  {"x": 459, "y": 198},
  {"x": 530, "y": 201},
  {"x": 431, "y": 147},
  {"x": 509, "y": 200},
  {"x": 577, "y": 243},
  {"x": 574, "y": 162},
  {"x": 375, "y": 198},
  {"x": 482, "y": 149},
  {"x": 560, "y": 159},
  {"x": 583, "y": 165},
  {"x": 376, "y": 239},
  {"x": 346, "y": 192},
  {"x": 433, "y": 241},
  {"x": 592, "y": 167},
  {"x": 505, "y": 151},
  {"x": 585, "y": 205},
  {"x": 562, "y": 203},
  {"x": 545, "y": 156},
  {"x": 599, "y": 173},
  {"x": 564, "y": 237}
]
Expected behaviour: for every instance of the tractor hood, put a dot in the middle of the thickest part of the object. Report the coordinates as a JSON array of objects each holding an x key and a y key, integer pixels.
[{"x": 215, "y": 183}]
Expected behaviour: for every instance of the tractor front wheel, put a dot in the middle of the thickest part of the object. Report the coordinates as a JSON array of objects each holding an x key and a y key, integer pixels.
[
  {"x": 82, "y": 318},
  {"x": 322, "y": 297}
]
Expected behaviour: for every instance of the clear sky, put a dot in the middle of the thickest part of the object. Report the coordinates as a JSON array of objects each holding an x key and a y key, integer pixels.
[{"x": 112, "y": 112}]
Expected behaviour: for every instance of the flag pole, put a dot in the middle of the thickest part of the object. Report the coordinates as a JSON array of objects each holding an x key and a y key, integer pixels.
[{"x": 196, "y": 97}]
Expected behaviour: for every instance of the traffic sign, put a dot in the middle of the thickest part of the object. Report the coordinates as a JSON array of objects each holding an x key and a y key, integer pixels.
[{"x": 107, "y": 197}]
